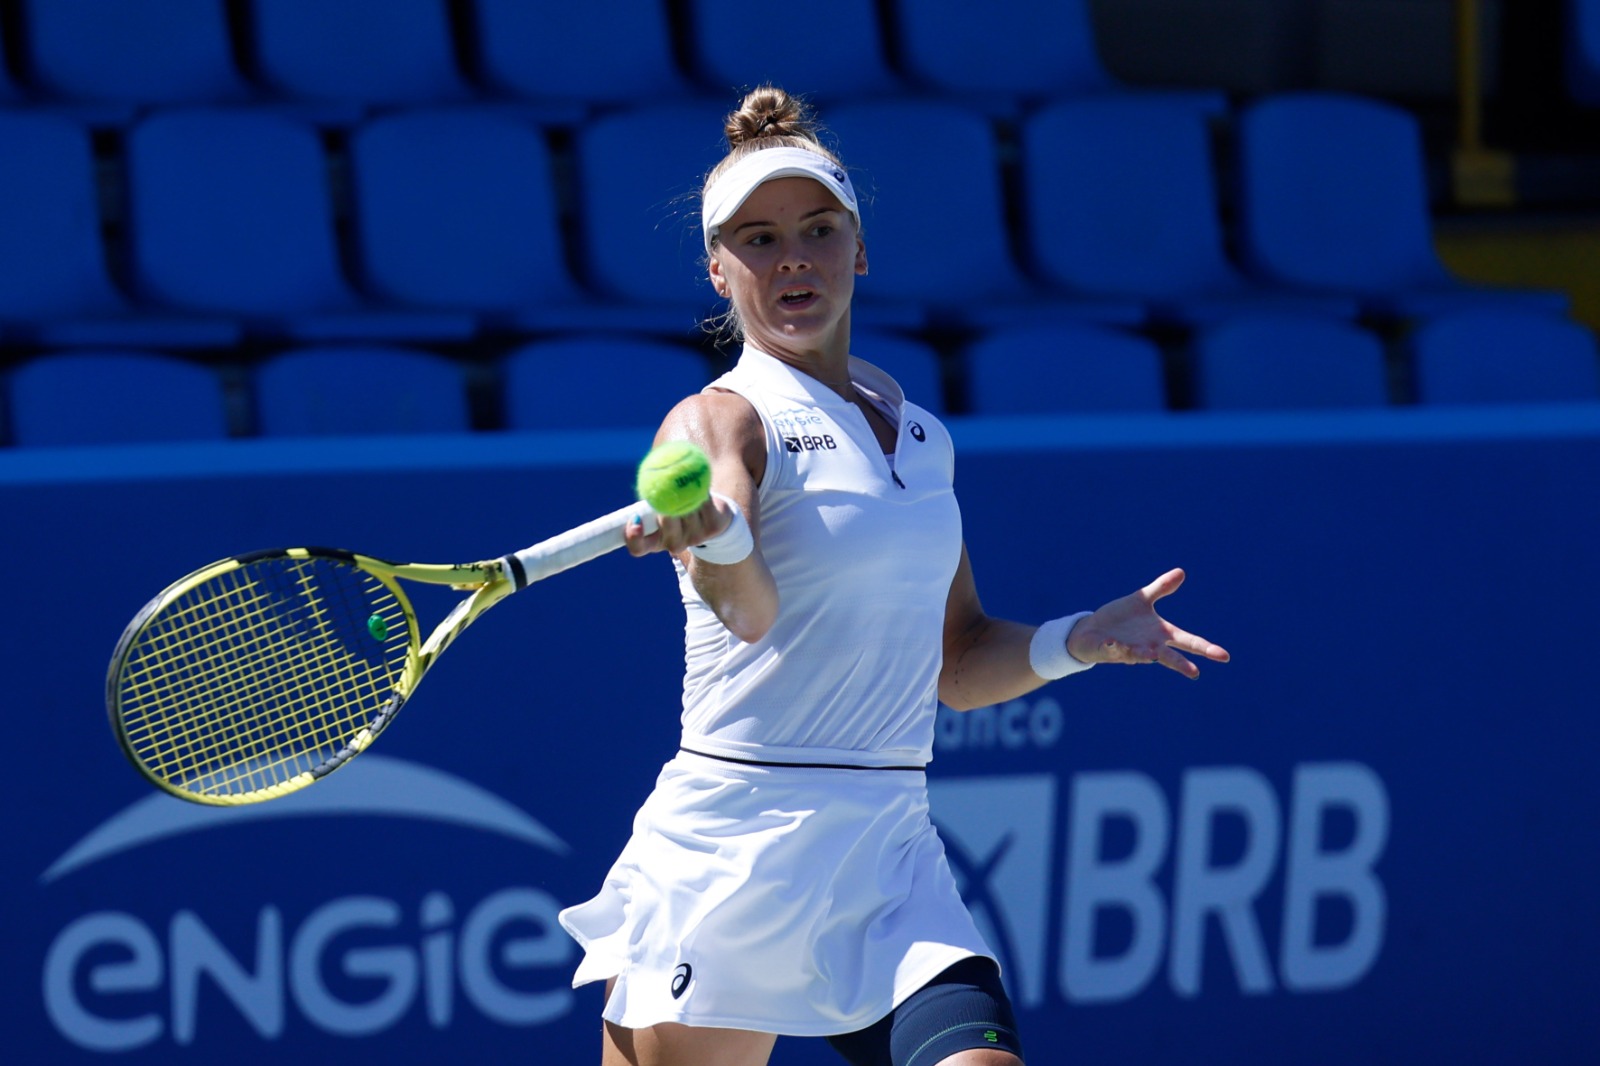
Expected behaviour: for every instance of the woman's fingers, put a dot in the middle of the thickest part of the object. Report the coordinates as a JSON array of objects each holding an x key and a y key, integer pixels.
[
  {"x": 1173, "y": 661},
  {"x": 676, "y": 534},
  {"x": 1189, "y": 642},
  {"x": 636, "y": 540},
  {"x": 1178, "y": 640},
  {"x": 1165, "y": 585}
]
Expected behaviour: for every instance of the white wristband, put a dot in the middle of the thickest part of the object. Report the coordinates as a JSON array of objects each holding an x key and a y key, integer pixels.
[
  {"x": 732, "y": 545},
  {"x": 1048, "y": 654}
]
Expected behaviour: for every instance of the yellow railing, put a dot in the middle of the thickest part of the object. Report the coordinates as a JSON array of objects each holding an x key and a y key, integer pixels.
[{"x": 1480, "y": 176}]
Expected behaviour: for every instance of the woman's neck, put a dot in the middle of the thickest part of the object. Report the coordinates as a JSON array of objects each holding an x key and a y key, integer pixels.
[{"x": 829, "y": 365}]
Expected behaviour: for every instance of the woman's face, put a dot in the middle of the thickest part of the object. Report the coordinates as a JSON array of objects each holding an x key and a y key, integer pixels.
[{"x": 788, "y": 260}]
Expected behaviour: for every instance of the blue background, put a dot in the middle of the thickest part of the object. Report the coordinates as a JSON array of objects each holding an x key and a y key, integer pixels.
[{"x": 1409, "y": 590}]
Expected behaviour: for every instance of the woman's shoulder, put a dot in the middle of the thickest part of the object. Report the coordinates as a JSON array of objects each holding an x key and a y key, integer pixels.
[
  {"x": 722, "y": 423},
  {"x": 718, "y": 407}
]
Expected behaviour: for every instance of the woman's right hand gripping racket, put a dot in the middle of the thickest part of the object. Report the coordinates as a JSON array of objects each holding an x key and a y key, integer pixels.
[{"x": 260, "y": 674}]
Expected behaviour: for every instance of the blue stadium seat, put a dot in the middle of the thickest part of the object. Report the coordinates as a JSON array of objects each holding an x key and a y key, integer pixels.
[
  {"x": 150, "y": 52},
  {"x": 55, "y": 289},
  {"x": 114, "y": 397},
  {"x": 1581, "y": 36},
  {"x": 1333, "y": 198},
  {"x": 853, "y": 64},
  {"x": 600, "y": 52},
  {"x": 365, "y": 52},
  {"x": 1005, "y": 54},
  {"x": 638, "y": 179},
  {"x": 599, "y": 381},
  {"x": 1120, "y": 199},
  {"x": 229, "y": 212},
  {"x": 1504, "y": 357},
  {"x": 457, "y": 209},
  {"x": 912, "y": 363},
  {"x": 1286, "y": 362},
  {"x": 1022, "y": 48},
  {"x": 345, "y": 390},
  {"x": 1065, "y": 368},
  {"x": 917, "y": 164}
]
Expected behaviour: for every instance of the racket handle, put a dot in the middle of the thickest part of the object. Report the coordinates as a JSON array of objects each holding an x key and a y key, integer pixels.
[{"x": 566, "y": 550}]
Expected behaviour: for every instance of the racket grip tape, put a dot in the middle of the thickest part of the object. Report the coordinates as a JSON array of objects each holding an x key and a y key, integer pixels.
[{"x": 578, "y": 545}]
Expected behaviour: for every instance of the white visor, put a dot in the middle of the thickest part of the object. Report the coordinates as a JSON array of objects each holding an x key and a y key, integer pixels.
[{"x": 734, "y": 186}]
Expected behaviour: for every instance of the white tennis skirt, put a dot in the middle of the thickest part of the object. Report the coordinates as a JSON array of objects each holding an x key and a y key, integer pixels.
[{"x": 797, "y": 901}]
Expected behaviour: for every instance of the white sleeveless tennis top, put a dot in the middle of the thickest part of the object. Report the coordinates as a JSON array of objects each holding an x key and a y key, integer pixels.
[
  {"x": 791, "y": 900},
  {"x": 863, "y": 547}
]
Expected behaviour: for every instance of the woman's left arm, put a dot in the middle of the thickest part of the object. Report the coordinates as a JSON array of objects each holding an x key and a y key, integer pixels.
[{"x": 987, "y": 660}]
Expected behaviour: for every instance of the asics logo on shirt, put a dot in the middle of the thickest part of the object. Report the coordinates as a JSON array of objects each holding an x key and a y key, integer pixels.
[
  {"x": 917, "y": 432},
  {"x": 680, "y": 979}
]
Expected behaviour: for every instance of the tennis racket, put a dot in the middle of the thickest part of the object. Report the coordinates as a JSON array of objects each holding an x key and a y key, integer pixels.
[{"x": 261, "y": 674}]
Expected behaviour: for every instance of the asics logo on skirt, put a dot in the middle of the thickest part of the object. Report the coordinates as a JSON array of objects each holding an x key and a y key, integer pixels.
[{"x": 680, "y": 979}]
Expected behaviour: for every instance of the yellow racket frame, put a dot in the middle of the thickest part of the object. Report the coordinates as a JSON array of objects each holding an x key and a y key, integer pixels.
[
  {"x": 225, "y": 721},
  {"x": 199, "y": 691}
]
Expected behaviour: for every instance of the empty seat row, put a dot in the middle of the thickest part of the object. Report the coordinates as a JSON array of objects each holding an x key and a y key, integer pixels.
[
  {"x": 456, "y": 225},
  {"x": 1274, "y": 362},
  {"x": 572, "y": 382},
  {"x": 110, "y": 396},
  {"x": 1284, "y": 361},
  {"x": 606, "y": 52},
  {"x": 361, "y": 53}
]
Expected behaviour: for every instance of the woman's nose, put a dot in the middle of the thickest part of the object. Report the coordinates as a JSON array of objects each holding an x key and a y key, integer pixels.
[{"x": 793, "y": 258}]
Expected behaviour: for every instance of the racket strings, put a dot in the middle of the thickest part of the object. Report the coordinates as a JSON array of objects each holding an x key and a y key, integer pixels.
[
  {"x": 246, "y": 683},
  {"x": 238, "y": 752},
  {"x": 186, "y": 651},
  {"x": 261, "y": 674},
  {"x": 192, "y": 648}
]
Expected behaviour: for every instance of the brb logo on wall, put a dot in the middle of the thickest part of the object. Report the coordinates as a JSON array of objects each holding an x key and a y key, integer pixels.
[
  {"x": 1147, "y": 879},
  {"x": 238, "y": 931}
]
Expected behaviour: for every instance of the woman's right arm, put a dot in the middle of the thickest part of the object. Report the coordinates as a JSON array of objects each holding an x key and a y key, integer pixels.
[{"x": 743, "y": 595}]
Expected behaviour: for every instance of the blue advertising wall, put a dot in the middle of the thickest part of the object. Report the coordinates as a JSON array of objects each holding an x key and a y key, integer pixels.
[{"x": 1372, "y": 838}]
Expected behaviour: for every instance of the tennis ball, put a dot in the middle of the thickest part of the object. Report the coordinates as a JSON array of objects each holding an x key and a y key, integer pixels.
[
  {"x": 378, "y": 626},
  {"x": 675, "y": 478}
]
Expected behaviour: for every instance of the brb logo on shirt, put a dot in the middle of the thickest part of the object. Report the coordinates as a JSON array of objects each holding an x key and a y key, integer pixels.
[
  {"x": 802, "y": 430},
  {"x": 823, "y": 443}
]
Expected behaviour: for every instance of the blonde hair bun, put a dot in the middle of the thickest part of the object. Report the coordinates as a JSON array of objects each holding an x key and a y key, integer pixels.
[{"x": 769, "y": 112}]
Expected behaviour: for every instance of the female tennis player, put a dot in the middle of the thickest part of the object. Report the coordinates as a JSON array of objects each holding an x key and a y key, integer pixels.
[{"x": 783, "y": 877}]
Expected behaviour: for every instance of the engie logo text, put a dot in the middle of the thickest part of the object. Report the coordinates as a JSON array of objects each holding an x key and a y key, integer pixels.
[{"x": 217, "y": 947}]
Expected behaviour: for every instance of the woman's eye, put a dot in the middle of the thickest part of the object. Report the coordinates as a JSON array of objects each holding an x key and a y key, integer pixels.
[
  {"x": 760, "y": 239},
  {"x": 822, "y": 230}
]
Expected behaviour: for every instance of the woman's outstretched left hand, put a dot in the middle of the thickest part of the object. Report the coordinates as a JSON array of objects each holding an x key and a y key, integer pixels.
[{"x": 1128, "y": 630}]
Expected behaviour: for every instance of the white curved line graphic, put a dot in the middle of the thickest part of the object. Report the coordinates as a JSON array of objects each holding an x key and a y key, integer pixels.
[{"x": 383, "y": 786}]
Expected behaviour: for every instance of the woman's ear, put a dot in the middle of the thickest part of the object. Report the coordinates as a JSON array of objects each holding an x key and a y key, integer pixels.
[
  {"x": 718, "y": 281},
  {"x": 861, "y": 257}
]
